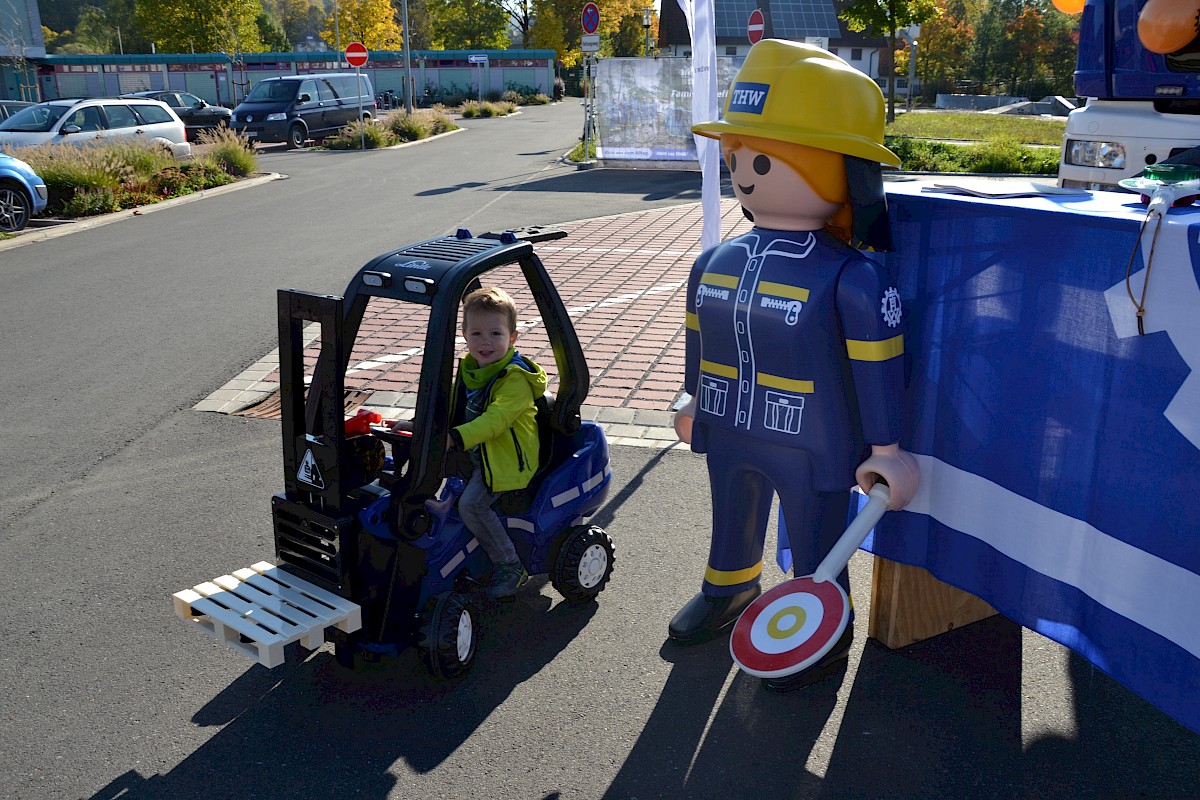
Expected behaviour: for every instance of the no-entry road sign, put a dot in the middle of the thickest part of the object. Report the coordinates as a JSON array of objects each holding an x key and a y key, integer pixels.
[
  {"x": 755, "y": 26},
  {"x": 356, "y": 54}
]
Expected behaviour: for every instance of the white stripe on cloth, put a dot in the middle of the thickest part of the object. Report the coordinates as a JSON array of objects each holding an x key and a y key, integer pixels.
[{"x": 1151, "y": 591}]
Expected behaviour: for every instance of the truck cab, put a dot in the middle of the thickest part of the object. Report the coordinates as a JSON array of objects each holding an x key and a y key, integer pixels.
[{"x": 1143, "y": 106}]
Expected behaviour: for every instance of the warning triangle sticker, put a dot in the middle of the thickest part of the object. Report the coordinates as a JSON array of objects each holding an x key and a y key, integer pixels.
[{"x": 309, "y": 472}]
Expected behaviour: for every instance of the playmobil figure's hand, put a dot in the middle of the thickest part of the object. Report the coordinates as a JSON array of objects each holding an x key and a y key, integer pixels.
[
  {"x": 683, "y": 421},
  {"x": 895, "y": 466}
]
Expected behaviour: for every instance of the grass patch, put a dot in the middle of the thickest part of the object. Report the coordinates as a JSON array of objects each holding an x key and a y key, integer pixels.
[
  {"x": 577, "y": 154},
  {"x": 974, "y": 126},
  {"x": 115, "y": 175},
  {"x": 1003, "y": 155}
]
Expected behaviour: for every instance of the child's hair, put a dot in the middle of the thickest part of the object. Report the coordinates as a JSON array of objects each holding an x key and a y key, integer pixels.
[
  {"x": 823, "y": 170},
  {"x": 491, "y": 299}
]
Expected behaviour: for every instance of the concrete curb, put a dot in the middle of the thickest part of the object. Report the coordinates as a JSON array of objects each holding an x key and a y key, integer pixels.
[{"x": 42, "y": 234}]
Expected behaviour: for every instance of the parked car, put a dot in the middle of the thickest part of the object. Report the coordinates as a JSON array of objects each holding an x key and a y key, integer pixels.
[
  {"x": 10, "y": 107},
  {"x": 197, "y": 114},
  {"x": 296, "y": 108},
  {"x": 22, "y": 194},
  {"x": 83, "y": 121}
]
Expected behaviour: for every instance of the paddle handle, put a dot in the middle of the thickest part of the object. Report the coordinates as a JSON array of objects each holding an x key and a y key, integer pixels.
[{"x": 839, "y": 556}]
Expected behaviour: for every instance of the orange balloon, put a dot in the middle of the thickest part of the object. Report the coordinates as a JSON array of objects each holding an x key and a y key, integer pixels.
[
  {"x": 1165, "y": 26},
  {"x": 1069, "y": 6}
]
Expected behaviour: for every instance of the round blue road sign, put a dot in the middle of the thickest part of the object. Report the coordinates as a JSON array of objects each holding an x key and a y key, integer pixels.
[{"x": 590, "y": 17}]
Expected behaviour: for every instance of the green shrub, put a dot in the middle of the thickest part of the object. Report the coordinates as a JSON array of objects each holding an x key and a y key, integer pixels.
[
  {"x": 576, "y": 153},
  {"x": 358, "y": 134},
  {"x": 471, "y": 109},
  {"x": 91, "y": 202},
  {"x": 1006, "y": 154},
  {"x": 511, "y": 96},
  {"x": 234, "y": 154},
  {"x": 537, "y": 99},
  {"x": 410, "y": 127},
  {"x": 1000, "y": 155},
  {"x": 440, "y": 122}
]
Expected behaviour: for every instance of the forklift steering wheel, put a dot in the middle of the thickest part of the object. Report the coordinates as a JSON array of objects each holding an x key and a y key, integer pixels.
[{"x": 401, "y": 442}]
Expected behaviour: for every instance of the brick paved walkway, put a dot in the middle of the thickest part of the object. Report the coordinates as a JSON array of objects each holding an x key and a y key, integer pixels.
[{"x": 622, "y": 278}]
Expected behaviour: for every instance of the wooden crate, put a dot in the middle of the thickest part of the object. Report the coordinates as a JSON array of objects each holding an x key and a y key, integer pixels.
[{"x": 909, "y": 605}]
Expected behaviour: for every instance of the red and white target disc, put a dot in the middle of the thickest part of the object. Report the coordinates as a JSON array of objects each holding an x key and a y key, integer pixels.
[{"x": 789, "y": 628}]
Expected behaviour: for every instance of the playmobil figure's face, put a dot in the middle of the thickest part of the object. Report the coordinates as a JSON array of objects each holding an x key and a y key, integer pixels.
[
  {"x": 776, "y": 194},
  {"x": 488, "y": 335}
]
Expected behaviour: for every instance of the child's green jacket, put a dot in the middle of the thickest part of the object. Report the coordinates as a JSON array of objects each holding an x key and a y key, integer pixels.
[{"x": 506, "y": 431}]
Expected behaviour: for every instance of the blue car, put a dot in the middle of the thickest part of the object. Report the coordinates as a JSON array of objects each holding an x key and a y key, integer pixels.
[{"x": 22, "y": 194}]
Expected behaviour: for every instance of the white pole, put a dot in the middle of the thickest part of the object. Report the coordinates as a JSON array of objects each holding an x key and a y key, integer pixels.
[{"x": 362, "y": 127}]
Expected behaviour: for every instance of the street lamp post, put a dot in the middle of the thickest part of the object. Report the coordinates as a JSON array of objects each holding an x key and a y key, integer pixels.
[
  {"x": 912, "y": 72},
  {"x": 337, "y": 34},
  {"x": 647, "y": 19},
  {"x": 408, "y": 81}
]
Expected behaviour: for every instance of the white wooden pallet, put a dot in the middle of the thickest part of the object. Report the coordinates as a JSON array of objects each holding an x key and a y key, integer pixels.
[{"x": 261, "y": 609}]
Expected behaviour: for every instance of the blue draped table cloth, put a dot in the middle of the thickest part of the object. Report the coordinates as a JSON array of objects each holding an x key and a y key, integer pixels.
[{"x": 1059, "y": 449}]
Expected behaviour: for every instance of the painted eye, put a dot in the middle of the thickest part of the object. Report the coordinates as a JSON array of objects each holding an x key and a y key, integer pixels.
[
  {"x": 762, "y": 165},
  {"x": 732, "y": 162}
]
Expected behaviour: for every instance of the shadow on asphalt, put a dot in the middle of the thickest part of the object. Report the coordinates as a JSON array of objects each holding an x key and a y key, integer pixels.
[
  {"x": 316, "y": 730},
  {"x": 650, "y": 184},
  {"x": 939, "y": 719}
]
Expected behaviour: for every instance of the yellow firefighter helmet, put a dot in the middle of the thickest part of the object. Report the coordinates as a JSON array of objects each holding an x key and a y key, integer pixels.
[{"x": 799, "y": 93}]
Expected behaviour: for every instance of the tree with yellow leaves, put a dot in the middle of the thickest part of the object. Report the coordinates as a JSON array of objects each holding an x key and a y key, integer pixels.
[
  {"x": 201, "y": 26},
  {"x": 372, "y": 22}
]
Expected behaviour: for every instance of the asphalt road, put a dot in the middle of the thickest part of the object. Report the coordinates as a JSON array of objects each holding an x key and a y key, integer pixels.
[{"x": 114, "y": 494}]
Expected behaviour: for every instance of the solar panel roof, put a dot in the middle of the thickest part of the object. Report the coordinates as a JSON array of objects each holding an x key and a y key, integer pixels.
[{"x": 790, "y": 19}]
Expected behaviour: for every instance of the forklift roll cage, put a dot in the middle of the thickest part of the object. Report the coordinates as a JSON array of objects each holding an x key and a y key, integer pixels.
[{"x": 316, "y": 518}]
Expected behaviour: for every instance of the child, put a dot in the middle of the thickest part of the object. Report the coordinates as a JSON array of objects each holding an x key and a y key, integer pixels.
[{"x": 495, "y": 422}]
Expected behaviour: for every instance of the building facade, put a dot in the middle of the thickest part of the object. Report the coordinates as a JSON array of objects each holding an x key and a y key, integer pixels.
[{"x": 21, "y": 41}]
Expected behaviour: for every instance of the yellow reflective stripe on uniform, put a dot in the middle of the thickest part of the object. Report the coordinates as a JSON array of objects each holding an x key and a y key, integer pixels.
[
  {"x": 784, "y": 384},
  {"x": 783, "y": 290},
  {"x": 719, "y": 577},
  {"x": 875, "y": 351},
  {"x": 692, "y": 321},
  {"x": 721, "y": 370},
  {"x": 725, "y": 281}
]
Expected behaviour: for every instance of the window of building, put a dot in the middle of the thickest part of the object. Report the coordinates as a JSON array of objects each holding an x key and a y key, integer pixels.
[
  {"x": 731, "y": 51},
  {"x": 856, "y": 54}
]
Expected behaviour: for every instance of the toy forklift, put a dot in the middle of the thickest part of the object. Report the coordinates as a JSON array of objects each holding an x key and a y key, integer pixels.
[{"x": 371, "y": 553}]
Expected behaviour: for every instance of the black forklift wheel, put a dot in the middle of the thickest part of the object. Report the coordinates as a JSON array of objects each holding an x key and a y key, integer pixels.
[
  {"x": 583, "y": 564},
  {"x": 449, "y": 634}
]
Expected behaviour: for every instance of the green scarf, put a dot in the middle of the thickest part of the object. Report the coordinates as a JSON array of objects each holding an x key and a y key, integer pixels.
[{"x": 477, "y": 377}]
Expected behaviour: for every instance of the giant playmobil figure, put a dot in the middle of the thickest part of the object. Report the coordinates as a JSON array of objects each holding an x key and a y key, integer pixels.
[{"x": 794, "y": 342}]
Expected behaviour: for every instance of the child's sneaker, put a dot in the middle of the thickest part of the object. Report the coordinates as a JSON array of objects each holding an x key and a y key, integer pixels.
[{"x": 506, "y": 579}]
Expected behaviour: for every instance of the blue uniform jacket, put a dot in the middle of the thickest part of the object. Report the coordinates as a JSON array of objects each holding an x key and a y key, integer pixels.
[{"x": 795, "y": 338}]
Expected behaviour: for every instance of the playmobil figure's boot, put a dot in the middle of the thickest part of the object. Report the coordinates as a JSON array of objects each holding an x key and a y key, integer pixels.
[
  {"x": 836, "y": 659},
  {"x": 704, "y": 617}
]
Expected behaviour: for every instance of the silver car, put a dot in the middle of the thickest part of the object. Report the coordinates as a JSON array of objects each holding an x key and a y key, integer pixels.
[{"x": 94, "y": 119}]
